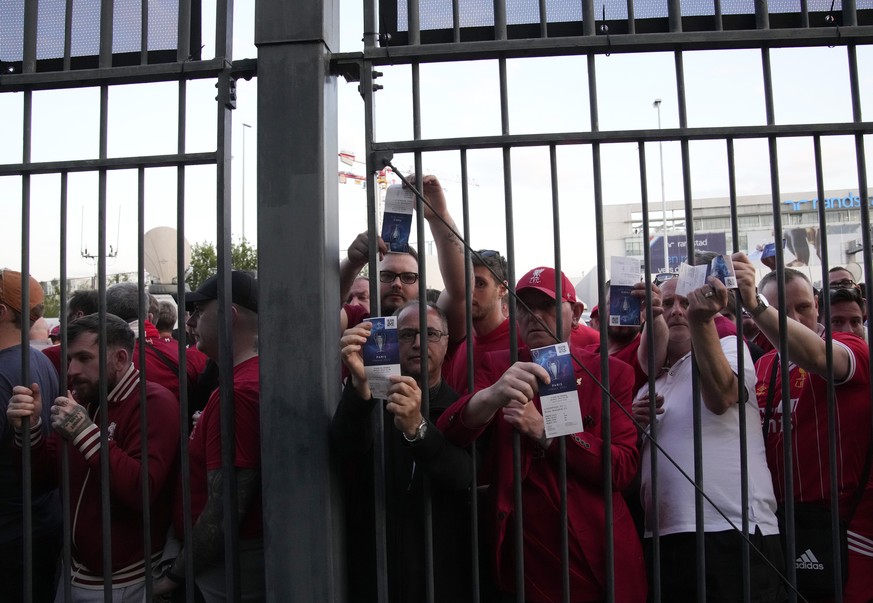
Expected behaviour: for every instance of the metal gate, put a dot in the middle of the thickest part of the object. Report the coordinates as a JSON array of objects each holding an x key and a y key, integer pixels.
[
  {"x": 298, "y": 72},
  {"x": 413, "y": 48}
]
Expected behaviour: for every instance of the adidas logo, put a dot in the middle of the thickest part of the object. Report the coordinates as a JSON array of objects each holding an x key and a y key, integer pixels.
[{"x": 807, "y": 561}]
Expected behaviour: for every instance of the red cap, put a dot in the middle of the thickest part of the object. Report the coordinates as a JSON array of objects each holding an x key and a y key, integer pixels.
[
  {"x": 595, "y": 312},
  {"x": 543, "y": 279}
]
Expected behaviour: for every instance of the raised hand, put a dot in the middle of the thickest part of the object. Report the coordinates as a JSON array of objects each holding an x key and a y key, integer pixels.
[{"x": 69, "y": 418}]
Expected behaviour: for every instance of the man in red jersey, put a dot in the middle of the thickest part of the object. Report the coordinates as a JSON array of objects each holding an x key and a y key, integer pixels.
[
  {"x": 490, "y": 325},
  {"x": 506, "y": 402},
  {"x": 204, "y": 448},
  {"x": 808, "y": 381}
]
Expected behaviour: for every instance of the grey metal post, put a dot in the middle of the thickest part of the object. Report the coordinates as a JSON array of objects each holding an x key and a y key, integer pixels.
[{"x": 299, "y": 327}]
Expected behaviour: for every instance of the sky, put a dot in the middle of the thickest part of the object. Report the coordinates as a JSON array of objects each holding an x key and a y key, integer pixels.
[{"x": 458, "y": 99}]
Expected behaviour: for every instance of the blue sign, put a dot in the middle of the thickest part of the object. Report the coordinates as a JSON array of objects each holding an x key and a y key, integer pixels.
[
  {"x": 850, "y": 201},
  {"x": 677, "y": 248}
]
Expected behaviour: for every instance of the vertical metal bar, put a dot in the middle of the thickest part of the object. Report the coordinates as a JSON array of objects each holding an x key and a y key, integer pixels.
[
  {"x": 500, "y": 31},
  {"x": 674, "y": 15},
  {"x": 184, "y": 409},
  {"x": 864, "y": 193},
  {"x": 468, "y": 278},
  {"x": 62, "y": 387},
  {"x": 631, "y": 18},
  {"x": 183, "y": 47},
  {"x": 422, "y": 320},
  {"x": 544, "y": 20},
  {"x": 27, "y": 467},
  {"x": 144, "y": 33},
  {"x": 719, "y": 26},
  {"x": 297, "y": 200},
  {"x": 367, "y": 91},
  {"x": 741, "y": 385},
  {"x": 68, "y": 38},
  {"x": 513, "y": 328},
  {"x": 31, "y": 18},
  {"x": 825, "y": 311},
  {"x": 850, "y": 14},
  {"x": 226, "y": 104},
  {"x": 413, "y": 23},
  {"x": 105, "y": 495},
  {"x": 456, "y": 22},
  {"x": 700, "y": 531},
  {"x": 589, "y": 18},
  {"x": 562, "y": 442},
  {"x": 804, "y": 13},
  {"x": 788, "y": 502},
  {"x": 106, "y": 19},
  {"x": 143, "y": 406},
  {"x": 655, "y": 580},
  {"x": 762, "y": 14},
  {"x": 606, "y": 422}
]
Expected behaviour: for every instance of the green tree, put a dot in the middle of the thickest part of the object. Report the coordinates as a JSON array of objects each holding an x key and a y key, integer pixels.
[
  {"x": 204, "y": 260},
  {"x": 52, "y": 302}
]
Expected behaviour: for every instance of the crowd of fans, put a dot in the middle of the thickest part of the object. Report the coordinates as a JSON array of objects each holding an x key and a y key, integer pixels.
[
  {"x": 139, "y": 425},
  {"x": 694, "y": 339},
  {"x": 463, "y": 417}
]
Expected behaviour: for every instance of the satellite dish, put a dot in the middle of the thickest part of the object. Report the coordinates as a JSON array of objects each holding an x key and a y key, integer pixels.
[{"x": 160, "y": 254}]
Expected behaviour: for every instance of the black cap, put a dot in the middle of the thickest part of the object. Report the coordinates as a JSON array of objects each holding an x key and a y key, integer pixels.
[{"x": 244, "y": 291}]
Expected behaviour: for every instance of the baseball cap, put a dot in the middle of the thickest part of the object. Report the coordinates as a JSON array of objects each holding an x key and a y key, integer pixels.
[
  {"x": 243, "y": 291},
  {"x": 595, "y": 312},
  {"x": 10, "y": 292},
  {"x": 543, "y": 279}
]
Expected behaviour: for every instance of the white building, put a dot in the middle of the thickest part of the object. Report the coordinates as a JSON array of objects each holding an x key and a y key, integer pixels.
[{"x": 624, "y": 234}]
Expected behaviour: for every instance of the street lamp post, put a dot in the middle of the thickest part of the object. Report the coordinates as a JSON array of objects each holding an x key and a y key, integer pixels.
[
  {"x": 245, "y": 126},
  {"x": 657, "y": 105}
]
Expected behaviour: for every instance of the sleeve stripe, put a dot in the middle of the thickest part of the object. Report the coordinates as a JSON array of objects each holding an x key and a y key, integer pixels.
[
  {"x": 851, "y": 373},
  {"x": 35, "y": 434},
  {"x": 88, "y": 442}
]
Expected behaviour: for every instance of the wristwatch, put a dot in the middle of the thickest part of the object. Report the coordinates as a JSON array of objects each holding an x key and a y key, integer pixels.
[
  {"x": 419, "y": 433},
  {"x": 762, "y": 305}
]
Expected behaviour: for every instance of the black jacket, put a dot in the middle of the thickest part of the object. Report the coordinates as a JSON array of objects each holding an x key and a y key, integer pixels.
[{"x": 449, "y": 474}]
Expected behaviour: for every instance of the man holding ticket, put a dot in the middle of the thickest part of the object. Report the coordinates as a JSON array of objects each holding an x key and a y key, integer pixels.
[
  {"x": 544, "y": 395},
  {"x": 691, "y": 310},
  {"x": 414, "y": 448}
]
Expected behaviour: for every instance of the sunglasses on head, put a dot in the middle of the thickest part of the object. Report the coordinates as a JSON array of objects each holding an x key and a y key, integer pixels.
[{"x": 664, "y": 277}]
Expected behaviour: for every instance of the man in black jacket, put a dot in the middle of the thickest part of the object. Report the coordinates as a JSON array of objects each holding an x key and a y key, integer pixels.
[{"x": 414, "y": 448}]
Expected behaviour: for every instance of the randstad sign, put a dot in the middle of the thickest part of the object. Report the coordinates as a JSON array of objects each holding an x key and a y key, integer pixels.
[{"x": 850, "y": 201}]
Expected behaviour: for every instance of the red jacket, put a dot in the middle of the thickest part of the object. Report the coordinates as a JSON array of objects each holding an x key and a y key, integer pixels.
[
  {"x": 125, "y": 457},
  {"x": 586, "y": 511}
]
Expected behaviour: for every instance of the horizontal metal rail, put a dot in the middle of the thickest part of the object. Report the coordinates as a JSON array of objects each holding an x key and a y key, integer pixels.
[
  {"x": 603, "y": 44},
  {"x": 133, "y": 74},
  {"x": 114, "y": 163},
  {"x": 625, "y": 136}
]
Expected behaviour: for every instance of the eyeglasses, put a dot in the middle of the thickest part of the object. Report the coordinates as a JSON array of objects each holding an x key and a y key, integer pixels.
[
  {"x": 846, "y": 283},
  {"x": 409, "y": 335},
  {"x": 407, "y": 278}
]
